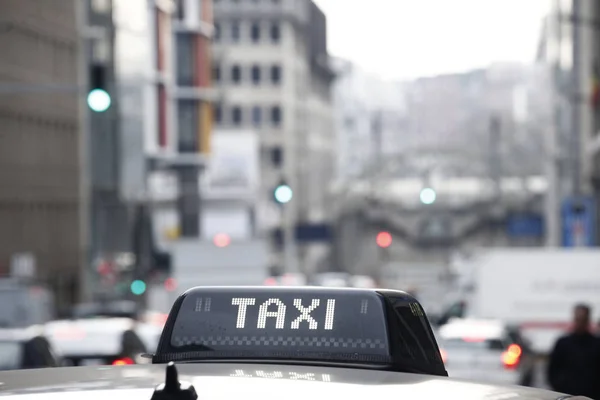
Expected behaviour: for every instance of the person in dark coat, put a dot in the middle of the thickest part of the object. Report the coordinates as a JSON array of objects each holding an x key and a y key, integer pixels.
[{"x": 574, "y": 365}]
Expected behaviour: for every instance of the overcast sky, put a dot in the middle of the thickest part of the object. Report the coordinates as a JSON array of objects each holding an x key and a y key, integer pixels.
[{"x": 400, "y": 39}]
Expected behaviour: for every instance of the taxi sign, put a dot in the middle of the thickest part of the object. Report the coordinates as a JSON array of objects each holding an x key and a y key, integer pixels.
[{"x": 376, "y": 328}]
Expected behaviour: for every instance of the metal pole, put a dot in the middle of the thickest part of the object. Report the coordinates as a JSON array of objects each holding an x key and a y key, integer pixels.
[
  {"x": 553, "y": 195},
  {"x": 84, "y": 154},
  {"x": 495, "y": 155},
  {"x": 289, "y": 239},
  {"x": 577, "y": 107}
]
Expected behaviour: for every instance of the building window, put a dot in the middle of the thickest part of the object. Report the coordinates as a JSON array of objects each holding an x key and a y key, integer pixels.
[
  {"x": 275, "y": 32},
  {"x": 217, "y": 73},
  {"x": 255, "y": 32},
  {"x": 180, "y": 10},
  {"x": 236, "y": 74},
  {"x": 162, "y": 115},
  {"x": 256, "y": 115},
  {"x": 235, "y": 31},
  {"x": 218, "y": 113},
  {"x": 188, "y": 125},
  {"x": 276, "y": 74},
  {"x": 185, "y": 59},
  {"x": 277, "y": 156},
  {"x": 255, "y": 74},
  {"x": 276, "y": 115},
  {"x": 217, "y": 32},
  {"x": 236, "y": 115}
]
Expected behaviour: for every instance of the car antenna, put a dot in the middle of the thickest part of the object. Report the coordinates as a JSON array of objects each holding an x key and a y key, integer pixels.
[{"x": 173, "y": 388}]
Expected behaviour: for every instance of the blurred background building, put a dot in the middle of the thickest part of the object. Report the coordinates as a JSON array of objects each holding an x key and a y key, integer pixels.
[
  {"x": 214, "y": 106},
  {"x": 272, "y": 68},
  {"x": 40, "y": 162}
]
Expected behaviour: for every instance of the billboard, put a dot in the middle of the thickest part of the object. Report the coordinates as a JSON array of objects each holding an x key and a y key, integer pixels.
[{"x": 233, "y": 168}]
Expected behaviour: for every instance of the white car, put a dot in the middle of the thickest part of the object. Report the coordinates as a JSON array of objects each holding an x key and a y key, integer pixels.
[
  {"x": 485, "y": 351},
  {"x": 98, "y": 335}
]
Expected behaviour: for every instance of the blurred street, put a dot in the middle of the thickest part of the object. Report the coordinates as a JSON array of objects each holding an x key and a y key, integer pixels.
[{"x": 151, "y": 146}]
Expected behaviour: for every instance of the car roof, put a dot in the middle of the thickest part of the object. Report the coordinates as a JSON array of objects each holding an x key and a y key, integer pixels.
[{"x": 214, "y": 381}]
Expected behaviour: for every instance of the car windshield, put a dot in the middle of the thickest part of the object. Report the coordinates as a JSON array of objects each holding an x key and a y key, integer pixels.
[
  {"x": 472, "y": 344},
  {"x": 10, "y": 355}
]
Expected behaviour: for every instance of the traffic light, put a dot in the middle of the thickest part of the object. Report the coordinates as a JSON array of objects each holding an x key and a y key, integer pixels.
[
  {"x": 170, "y": 284},
  {"x": 221, "y": 240},
  {"x": 427, "y": 196},
  {"x": 384, "y": 239},
  {"x": 283, "y": 193},
  {"x": 98, "y": 98},
  {"x": 138, "y": 287}
]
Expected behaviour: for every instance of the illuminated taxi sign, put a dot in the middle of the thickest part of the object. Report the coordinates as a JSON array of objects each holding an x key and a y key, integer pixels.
[
  {"x": 280, "y": 313},
  {"x": 387, "y": 329}
]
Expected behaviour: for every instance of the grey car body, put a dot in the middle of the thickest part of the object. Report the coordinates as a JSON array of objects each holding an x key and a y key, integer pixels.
[{"x": 214, "y": 381}]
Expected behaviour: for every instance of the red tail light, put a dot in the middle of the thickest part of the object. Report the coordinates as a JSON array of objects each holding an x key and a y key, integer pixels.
[
  {"x": 123, "y": 361},
  {"x": 444, "y": 355},
  {"x": 512, "y": 356}
]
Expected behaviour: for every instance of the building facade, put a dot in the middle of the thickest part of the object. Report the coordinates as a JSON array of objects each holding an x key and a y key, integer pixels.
[
  {"x": 192, "y": 102},
  {"x": 272, "y": 68},
  {"x": 569, "y": 48},
  {"x": 457, "y": 111},
  {"x": 370, "y": 119},
  {"x": 39, "y": 142}
]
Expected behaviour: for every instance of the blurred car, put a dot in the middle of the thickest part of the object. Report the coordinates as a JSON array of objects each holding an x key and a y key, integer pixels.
[
  {"x": 150, "y": 328},
  {"x": 26, "y": 348},
  {"x": 99, "y": 334},
  {"x": 332, "y": 279},
  {"x": 287, "y": 279},
  {"x": 149, "y": 323},
  {"x": 362, "y": 281},
  {"x": 487, "y": 351}
]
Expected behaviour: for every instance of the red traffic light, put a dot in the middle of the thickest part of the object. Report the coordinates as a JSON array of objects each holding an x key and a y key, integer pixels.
[
  {"x": 170, "y": 284},
  {"x": 384, "y": 239},
  {"x": 221, "y": 240}
]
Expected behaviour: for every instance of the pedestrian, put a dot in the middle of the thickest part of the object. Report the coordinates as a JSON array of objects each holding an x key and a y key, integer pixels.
[{"x": 574, "y": 365}]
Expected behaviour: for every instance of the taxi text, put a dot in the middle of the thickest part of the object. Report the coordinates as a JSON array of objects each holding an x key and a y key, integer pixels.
[{"x": 280, "y": 314}]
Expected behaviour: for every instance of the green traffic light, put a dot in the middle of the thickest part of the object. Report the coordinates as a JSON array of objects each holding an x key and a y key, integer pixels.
[
  {"x": 283, "y": 194},
  {"x": 138, "y": 287},
  {"x": 99, "y": 100},
  {"x": 428, "y": 196}
]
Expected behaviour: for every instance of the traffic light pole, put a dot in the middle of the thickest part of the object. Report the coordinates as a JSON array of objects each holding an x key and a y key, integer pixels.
[{"x": 289, "y": 240}]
